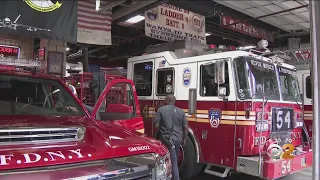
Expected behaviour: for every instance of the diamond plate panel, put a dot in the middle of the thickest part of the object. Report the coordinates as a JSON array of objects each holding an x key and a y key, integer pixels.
[{"x": 248, "y": 165}]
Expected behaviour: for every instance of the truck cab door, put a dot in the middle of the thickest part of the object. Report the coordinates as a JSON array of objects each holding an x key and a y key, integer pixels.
[{"x": 118, "y": 103}]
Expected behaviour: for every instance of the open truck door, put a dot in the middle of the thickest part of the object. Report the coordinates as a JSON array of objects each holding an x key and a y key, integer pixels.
[{"x": 119, "y": 104}]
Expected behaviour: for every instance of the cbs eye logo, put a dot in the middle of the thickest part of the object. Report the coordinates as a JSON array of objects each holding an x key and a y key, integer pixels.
[{"x": 275, "y": 151}]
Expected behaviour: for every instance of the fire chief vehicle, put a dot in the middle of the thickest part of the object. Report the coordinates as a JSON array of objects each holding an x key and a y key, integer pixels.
[
  {"x": 234, "y": 100},
  {"x": 47, "y": 133}
]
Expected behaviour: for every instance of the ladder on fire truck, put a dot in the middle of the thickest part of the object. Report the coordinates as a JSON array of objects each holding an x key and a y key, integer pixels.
[{"x": 302, "y": 60}]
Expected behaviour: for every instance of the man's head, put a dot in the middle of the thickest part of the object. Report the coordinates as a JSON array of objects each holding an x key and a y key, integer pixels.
[{"x": 170, "y": 99}]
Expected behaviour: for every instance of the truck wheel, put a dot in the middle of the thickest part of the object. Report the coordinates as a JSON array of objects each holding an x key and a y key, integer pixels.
[{"x": 188, "y": 165}]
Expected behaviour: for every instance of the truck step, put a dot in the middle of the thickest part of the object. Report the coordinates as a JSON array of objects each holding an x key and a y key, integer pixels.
[{"x": 212, "y": 170}]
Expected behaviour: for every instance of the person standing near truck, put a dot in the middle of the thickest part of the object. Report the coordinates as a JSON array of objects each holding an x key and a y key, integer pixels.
[{"x": 173, "y": 128}]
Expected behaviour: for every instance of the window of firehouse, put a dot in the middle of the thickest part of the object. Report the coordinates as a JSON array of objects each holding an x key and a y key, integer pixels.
[
  {"x": 208, "y": 87},
  {"x": 142, "y": 78},
  {"x": 165, "y": 78},
  {"x": 308, "y": 87}
]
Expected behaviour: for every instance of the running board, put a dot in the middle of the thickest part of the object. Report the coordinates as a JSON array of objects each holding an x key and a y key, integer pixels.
[{"x": 208, "y": 170}]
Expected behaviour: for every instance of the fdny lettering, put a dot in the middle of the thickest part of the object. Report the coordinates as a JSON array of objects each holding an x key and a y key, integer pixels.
[
  {"x": 262, "y": 65},
  {"x": 29, "y": 158},
  {"x": 287, "y": 71},
  {"x": 138, "y": 148}
]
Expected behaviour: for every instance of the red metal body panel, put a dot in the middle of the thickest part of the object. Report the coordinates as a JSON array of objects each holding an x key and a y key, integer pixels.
[
  {"x": 308, "y": 118},
  {"x": 220, "y": 147},
  {"x": 273, "y": 169},
  {"x": 94, "y": 146},
  {"x": 102, "y": 140}
]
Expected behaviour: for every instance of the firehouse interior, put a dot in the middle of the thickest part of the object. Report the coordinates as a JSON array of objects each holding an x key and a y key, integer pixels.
[{"x": 82, "y": 82}]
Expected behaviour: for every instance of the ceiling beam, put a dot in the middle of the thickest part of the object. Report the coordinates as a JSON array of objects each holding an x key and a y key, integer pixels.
[
  {"x": 135, "y": 8},
  {"x": 249, "y": 14},
  {"x": 280, "y": 17}
]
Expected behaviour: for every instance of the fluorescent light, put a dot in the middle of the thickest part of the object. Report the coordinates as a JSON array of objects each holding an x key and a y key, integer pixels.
[
  {"x": 208, "y": 34},
  {"x": 97, "y": 5},
  {"x": 135, "y": 19}
]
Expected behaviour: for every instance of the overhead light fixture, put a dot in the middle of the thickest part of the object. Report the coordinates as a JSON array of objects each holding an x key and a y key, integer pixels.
[
  {"x": 97, "y": 5},
  {"x": 67, "y": 49},
  {"x": 135, "y": 19},
  {"x": 208, "y": 34}
]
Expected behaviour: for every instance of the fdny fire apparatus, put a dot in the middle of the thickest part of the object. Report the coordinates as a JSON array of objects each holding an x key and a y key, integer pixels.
[
  {"x": 47, "y": 133},
  {"x": 234, "y": 101}
]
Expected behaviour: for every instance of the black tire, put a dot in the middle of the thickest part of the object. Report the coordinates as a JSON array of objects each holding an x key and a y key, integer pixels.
[{"x": 189, "y": 166}]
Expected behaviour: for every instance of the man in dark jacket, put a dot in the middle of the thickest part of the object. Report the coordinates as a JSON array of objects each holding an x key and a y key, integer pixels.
[{"x": 173, "y": 125}]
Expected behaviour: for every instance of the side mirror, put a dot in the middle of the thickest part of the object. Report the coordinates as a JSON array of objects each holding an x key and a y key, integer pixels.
[
  {"x": 222, "y": 92},
  {"x": 117, "y": 112},
  {"x": 219, "y": 70}
]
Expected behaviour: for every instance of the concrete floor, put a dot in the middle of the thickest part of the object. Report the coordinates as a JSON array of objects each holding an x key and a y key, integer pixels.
[{"x": 301, "y": 175}]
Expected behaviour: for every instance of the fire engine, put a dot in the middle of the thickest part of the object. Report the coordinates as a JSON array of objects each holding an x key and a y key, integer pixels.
[
  {"x": 238, "y": 102},
  {"x": 47, "y": 133}
]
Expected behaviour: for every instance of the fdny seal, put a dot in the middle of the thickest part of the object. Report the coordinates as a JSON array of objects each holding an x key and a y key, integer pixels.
[
  {"x": 152, "y": 14},
  {"x": 214, "y": 117},
  {"x": 43, "y": 5}
]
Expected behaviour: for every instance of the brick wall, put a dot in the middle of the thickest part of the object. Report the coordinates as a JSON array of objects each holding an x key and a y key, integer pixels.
[{"x": 25, "y": 44}]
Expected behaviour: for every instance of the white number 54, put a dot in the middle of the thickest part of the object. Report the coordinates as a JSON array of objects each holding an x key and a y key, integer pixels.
[
  {"x": 280, "y": 119},
  {"x": 286, "y": 167}
]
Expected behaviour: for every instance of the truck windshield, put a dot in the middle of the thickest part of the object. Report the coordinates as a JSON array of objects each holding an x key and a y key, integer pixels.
[
  {"x": 256, "y": 79},
  {"x": 289, "y": 85},
  {"x": 22, "y": 95}
]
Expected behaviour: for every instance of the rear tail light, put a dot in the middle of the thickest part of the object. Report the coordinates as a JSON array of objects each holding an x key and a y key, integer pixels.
[{"x": 262, "y": 121}]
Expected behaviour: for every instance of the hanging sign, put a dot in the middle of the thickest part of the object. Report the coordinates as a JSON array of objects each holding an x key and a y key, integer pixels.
[
  {"x": 168, "y": 23},
  {"x": 245, "y": 28}
]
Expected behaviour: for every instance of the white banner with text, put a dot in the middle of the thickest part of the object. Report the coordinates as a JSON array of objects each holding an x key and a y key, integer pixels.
[{"x": 168, "y": 23}]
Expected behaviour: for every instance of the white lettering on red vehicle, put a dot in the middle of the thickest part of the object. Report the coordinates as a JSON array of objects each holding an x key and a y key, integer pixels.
[
  {"x": 33, "y": 159},
  {"x": 52, "y": 154},
  {"x": 4, "y": 159},
  {"x": 77, "y": 152},
  {"x": 30, "y": 158},
  {"x": 138, "y": 148}
]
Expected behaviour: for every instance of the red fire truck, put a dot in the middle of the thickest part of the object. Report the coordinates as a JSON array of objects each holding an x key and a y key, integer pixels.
[
  {"x": 235, "y": 101},
  {"x": 47, "y": 133}
]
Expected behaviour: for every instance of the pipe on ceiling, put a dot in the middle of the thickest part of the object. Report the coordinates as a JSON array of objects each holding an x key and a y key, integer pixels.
[
  {"x": 267, "y": 15},
  {"x": 79, "y": 53},
  {"x": 111, "y": 4}
]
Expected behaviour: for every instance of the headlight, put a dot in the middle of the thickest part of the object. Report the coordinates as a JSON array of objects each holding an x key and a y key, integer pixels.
[{"x": 163, "y": 167}]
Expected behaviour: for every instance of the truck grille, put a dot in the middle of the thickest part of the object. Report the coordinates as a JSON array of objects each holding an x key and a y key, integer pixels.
[{"x": 9, "y": 136}]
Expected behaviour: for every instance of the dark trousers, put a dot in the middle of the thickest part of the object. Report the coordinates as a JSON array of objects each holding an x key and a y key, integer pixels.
[{"x": 174, "y": 160}]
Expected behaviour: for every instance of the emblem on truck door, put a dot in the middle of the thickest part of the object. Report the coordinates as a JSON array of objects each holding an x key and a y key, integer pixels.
[
  {"x": 186, "y": 77},
  {"x": 214, "y": 117}
]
